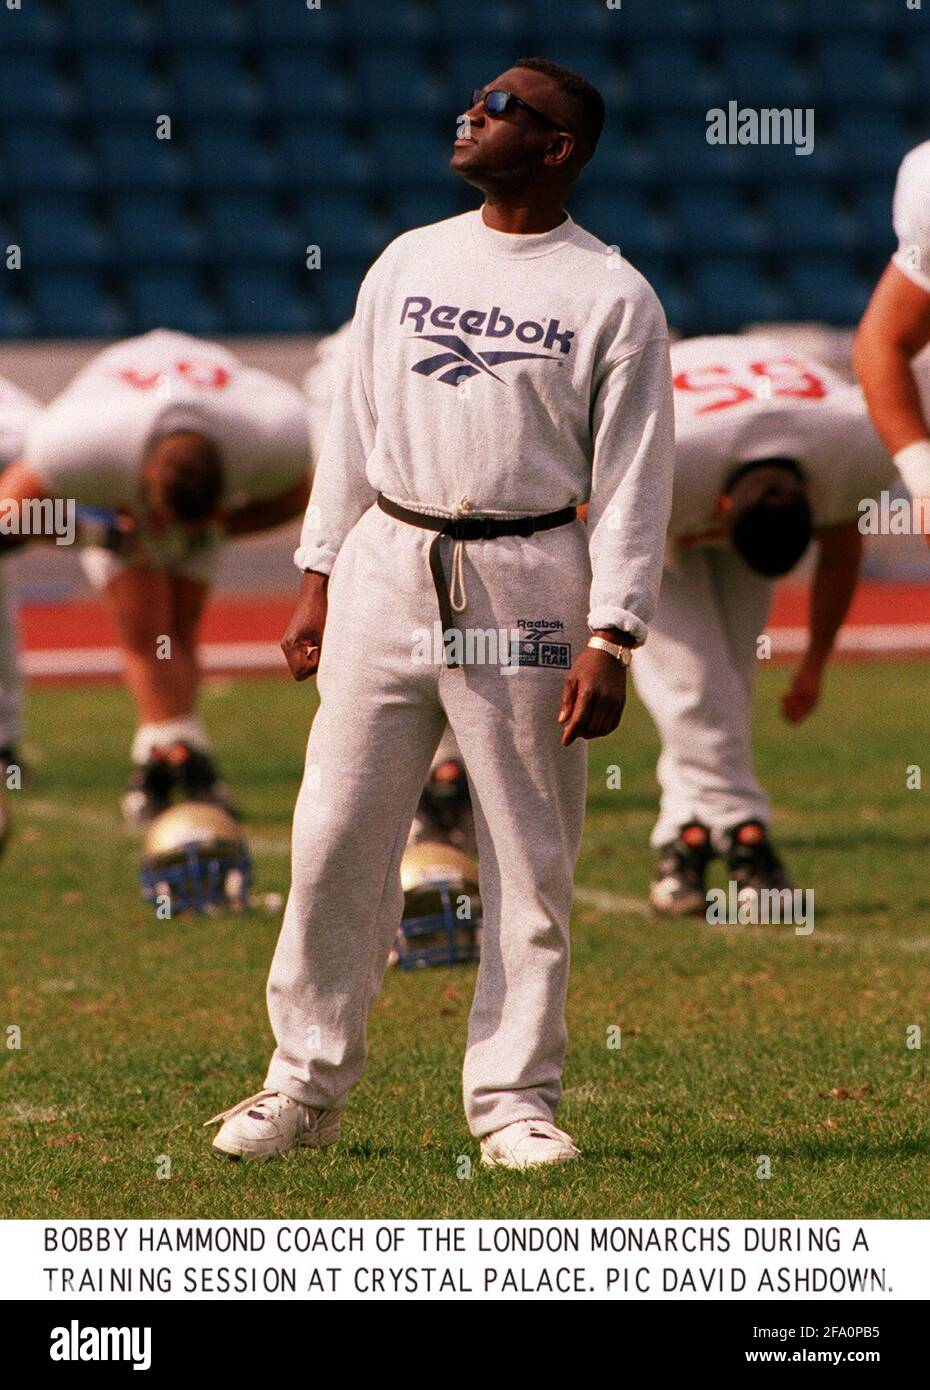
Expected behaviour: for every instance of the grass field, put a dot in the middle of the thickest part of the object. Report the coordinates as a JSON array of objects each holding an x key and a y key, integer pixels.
[{"x": 737, "y": 1041}]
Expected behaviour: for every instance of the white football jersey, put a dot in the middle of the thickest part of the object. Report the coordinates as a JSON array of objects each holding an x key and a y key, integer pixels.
[
  {"x": 17, "y": 411},
  {"x": 742, "y": 398},
  {"x": 912, "y": 216},
  {"x": 90, "y": 441}
]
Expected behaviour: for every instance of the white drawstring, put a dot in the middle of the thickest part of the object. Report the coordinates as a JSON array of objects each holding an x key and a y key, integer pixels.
[
  {"x": 458, "y": 565},
  {"x": 458, "y": 577}
]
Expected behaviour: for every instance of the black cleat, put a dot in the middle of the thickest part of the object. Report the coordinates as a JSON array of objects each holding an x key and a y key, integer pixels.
[
  {"x": 148, "y": 793},
  {"x": 444, "y": 810},
  {"x": 678, "y": 888},
  {"x": 197, "y": 779},
  {"x": 752, "y": 861}
]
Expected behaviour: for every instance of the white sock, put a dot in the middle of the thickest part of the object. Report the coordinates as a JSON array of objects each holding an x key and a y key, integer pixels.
[{"x": 187, "y": 728}]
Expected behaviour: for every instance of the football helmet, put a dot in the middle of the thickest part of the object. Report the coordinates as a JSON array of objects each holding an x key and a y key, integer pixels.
[
  {"x": 442, "y": 909},
  {"x": 195, "y": 856}
]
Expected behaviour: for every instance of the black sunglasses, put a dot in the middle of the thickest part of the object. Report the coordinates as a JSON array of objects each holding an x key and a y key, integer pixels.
[{"x": 497, "y": 102}]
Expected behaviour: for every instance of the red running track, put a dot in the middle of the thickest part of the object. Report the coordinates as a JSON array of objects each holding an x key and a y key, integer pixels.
[{"x": 76, "y": 641}]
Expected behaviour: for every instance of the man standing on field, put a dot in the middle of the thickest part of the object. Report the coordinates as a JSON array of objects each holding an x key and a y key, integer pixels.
[{"x": 504, "y": 367}]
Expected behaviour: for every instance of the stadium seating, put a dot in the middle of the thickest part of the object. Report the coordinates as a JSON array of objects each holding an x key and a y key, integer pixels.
[{"x": 293, "y": 126}]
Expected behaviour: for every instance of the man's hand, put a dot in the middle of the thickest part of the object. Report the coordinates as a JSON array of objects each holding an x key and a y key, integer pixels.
[
  {"x": 803, "y": 693},
  {"x": 303, "y": 639},
  {"x": 593, "y": 696}
]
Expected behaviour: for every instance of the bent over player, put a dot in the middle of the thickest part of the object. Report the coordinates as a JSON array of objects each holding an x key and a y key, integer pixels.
[
  {"x": 770, "y": 451},
  {"x": 166, "y": 444},
  {"x": 503, "y": 367}
]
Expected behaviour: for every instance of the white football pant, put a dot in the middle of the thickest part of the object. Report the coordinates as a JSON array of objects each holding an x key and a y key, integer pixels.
[
  {"x": 695, "y": 677},
  {"x": 380, "y": 718}
]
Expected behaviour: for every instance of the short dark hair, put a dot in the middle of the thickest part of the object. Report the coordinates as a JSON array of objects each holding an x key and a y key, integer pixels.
[
  {"x": 583, "y": 95},
  {"x": 190, "y": 472},
  {"x": 770, "y": 523}
]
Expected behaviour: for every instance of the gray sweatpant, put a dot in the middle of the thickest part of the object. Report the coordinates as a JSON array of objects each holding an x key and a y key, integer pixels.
[{"x": 381, "y": 715}]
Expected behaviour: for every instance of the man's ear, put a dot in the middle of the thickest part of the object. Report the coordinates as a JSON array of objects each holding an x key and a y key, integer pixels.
[
  {"x": 561, "y": 150},
  {"x": 724, "y": 503}
]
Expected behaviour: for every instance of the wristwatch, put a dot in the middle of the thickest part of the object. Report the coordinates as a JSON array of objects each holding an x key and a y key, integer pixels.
[{"x": 623, "y": 654}]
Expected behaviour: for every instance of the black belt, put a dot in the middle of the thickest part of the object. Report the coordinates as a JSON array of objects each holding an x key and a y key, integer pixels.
[{"x": 464, "y": 528}]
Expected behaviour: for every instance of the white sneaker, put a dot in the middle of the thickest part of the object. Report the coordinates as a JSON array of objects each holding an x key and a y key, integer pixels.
[
  {"x": 270, "y": 1123},
  {"x": 527, "y": 1144}
]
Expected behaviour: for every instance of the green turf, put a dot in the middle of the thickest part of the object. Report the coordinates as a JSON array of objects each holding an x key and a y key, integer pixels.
[{"x": 736, "y": 1042}]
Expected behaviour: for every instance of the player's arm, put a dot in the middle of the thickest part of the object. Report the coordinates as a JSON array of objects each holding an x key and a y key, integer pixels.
[
  {"x": 835, "y": 577},
  {"x": 894, "y": 328},
  {"x": 19, "y": 485},
  {"x": 267, "y": 512},
  {"x": 341, "y": 492},
  {"x": 627, "y": 518}
]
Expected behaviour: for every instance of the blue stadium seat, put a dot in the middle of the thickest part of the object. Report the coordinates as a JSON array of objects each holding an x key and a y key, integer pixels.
[
  {"x": 286, "y": 23},
  {"x": 827, "y": 288},
  {"x": 57, "y": 231},
  {"x": 110, "y": 24},
  {"x": 395, "y": 81},
  {"x": 552, "y": 20},
  {"x": 715, "y": 220},
  {"x": 677, "y": 299},
  {"x": 399, "y": 22},
  {"x": 191, "y": 25},
  {"x": 845, "y": 16},
  {"x": 732, "y": 292},
  {"x": 418, "y": 207},
  {"x": 644, "y": 19},
  {"x": 31, "y": 87},
  {"x": 40, "y": 156},
  {"x": 154, "y": 229},
  {"x": 131, "y": 157},
  {"x": 468, "y": 65},
  {"x": 32, "y": 27},
  {"x": 624, "y": 156},
  {"x": 215, "y": 84},
  {"x": 502, "y": 21},
  {"x": 176, "y": 297},
  {"x": 124, "y": 85},
  {"x": 872, "y": 144},
  {"x": 321, "y": 158},
  {"x": 681, "y": 152},
  {"x": 232, "y": 156},
  {"x": 857, "y": 74},
  {"x": 765, "y": 73},
  {"x": 268, "y": 301},
  {"x": 807, "y": 220},
  {"x": 246, "y": 228},
  {"x": 409, "y": 151},
  {"x": 873, "y": 218},
  {"x": 16, "y": 316},
  {"x": 725, "y": 19},
  {"x": 342, "y": 226},
  {"x": 671, "y": 77},
  {"x": 625, "y": 218},
  {"x": 919, "y": 52},
  {"x": 304, "y": 84},
  {"x": 76, "y": 304},
  {"x": 338, "y": 291}
]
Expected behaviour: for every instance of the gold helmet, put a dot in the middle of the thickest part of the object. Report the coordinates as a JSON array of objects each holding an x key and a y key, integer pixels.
[
  {"x": 195, "y": 858},
  {"x": 442, "y": 908}
]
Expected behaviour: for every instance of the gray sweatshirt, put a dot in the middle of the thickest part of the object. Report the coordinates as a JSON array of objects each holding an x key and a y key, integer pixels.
[{"x": 507, "y": 375}]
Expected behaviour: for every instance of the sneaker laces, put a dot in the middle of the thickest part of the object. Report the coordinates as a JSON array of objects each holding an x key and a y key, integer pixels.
[{"x": 260, "y": 1101}]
